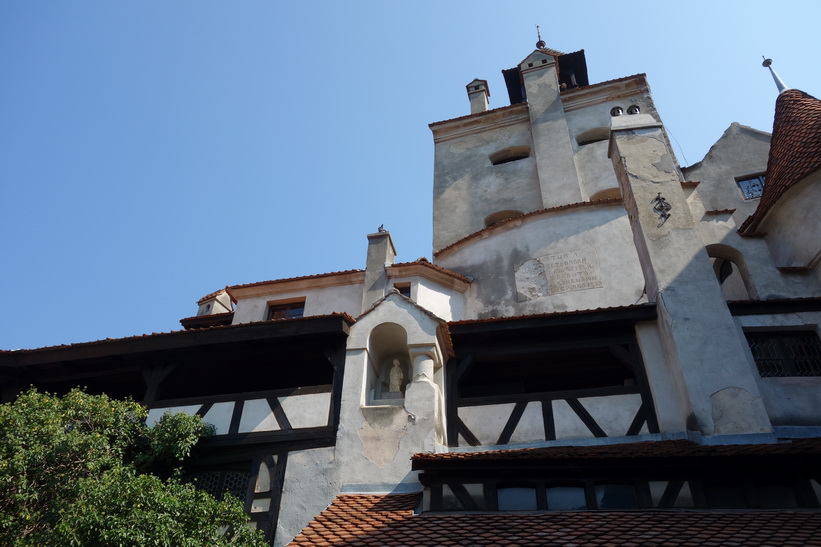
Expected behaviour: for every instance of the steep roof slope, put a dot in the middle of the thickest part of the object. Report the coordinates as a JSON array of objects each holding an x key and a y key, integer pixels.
[{"x": 795, "y": 150}]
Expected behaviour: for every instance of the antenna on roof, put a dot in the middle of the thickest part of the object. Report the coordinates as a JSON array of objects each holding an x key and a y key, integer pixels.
[
  {"x": 778, "y": 82},
  {"x": 540, "y": 44}
]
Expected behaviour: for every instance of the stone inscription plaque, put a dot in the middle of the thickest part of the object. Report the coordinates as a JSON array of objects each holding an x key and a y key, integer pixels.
[
  {"x": 572, "y": 271},
  {"x": 558, "y": 273}
]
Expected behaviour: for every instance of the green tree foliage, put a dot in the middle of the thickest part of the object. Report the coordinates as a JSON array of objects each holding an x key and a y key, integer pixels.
[{"x": 86, "y": 470}]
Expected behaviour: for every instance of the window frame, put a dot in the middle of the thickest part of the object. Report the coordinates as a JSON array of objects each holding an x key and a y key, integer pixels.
[
  {"x": 293, "y": 309},
  {"x": 789, "y": 368}
]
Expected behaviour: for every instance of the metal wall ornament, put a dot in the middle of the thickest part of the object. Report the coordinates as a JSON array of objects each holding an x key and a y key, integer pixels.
[{"x": 661, "y": 208}]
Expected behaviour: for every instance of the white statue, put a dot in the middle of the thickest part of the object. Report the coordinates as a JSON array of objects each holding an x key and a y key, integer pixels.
[{"x": 396, "y": 377}]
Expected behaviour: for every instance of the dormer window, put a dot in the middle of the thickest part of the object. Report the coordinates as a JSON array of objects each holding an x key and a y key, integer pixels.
[
  {"x": 508, "y": 155},
  {"x": 294, "y": 309}
]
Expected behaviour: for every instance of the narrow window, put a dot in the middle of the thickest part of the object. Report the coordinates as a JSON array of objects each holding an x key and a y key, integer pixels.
[
  {"x": 508, "y": 155},
  {"x": 289, "y": 310},
  {"x": 403, "y": 288}
]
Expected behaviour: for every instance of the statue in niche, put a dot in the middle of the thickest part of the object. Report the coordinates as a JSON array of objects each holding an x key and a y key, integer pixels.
[{"x": 396, "y": 377}]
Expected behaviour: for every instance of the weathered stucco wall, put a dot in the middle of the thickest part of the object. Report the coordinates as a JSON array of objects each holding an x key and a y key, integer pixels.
[
  {"x": 467, "y": 187},
  {"x": 446, "y": 304},
  {"x": 793, "y": 225},
  {"x": 376, "y": 439},
  {"x": 573, "y": 259},
  {"x": 792, "y": 401},
  {"x": 341, "y": 299},
  {"x": 310, "y": 485}
]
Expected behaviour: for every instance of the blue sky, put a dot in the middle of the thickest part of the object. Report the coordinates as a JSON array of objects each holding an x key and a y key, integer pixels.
[{"x": 153, "y": 152}]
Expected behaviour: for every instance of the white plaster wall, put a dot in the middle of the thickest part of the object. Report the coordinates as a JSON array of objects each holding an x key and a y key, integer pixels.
[
  {"x": 376, "y": 442},
  {"x": 486, "y": 422},
  {"x": 740, "y": 151},
  {"x": 444, "y": 303},
  {"x": 793, "y": 225},
  {"x": 468, "y": 188},
  {"x": 340, "y": 299},
  {"x": 764, "y": 276},
  {"x": 310, "y": 485},
  {"x": 595, "y": 169},
  {"x": 792, "y": 401},
  {"x": 257, "y": 416},
  {"x": 307, "y": 410},
  {"x": 667, "y": 387},
  {"x": 492, "y": 261},
  {"x": 220, "y": 416},
  {"x": 155, "y": 414}
]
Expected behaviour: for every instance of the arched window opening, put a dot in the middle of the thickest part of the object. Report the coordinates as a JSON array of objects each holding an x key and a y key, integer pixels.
[
  {"x": 597, "y": 134},
  {"x": 499, "y": 216},
  {"x": 732, "y": 273},
  {"x": 610, "y": 193},
  {"x": 508, "y": 155}
]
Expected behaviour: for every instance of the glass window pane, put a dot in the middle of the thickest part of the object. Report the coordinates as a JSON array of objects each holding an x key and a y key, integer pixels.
[
  {"x": 517, "y": 499},
  {"x": 616, "y": 496},
  {"x": 566, "y": 498}
]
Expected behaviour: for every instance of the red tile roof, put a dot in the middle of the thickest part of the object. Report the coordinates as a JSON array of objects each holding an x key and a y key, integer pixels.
[
  {"x": 648, "y": 449},
  {"x": 424, "y": 262},
  {"x": 577, "y": 205},
  {"x": 275, "y": 281},
  {"x": 795, "y": 150},
  {"x": 368, "y": 520},
  {"x": 210, "y": 295}
]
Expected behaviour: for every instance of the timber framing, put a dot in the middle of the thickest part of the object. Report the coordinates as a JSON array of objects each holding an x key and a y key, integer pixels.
[{"x": 558, "y": 357}]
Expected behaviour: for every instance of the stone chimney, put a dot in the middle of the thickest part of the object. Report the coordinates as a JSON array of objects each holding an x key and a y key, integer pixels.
[
  {"x": 478, "y": 93},
  {"x": 381, "y": 254}
]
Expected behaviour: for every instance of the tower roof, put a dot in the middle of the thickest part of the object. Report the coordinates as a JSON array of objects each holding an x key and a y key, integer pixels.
[{"x": 795, "y": 150}]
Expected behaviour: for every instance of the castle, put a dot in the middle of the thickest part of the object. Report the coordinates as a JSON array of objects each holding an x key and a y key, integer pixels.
[{"x": 604, "y": 344}]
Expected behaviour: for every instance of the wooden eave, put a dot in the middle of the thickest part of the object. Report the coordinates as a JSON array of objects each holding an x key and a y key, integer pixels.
[{"x": 309, "y": 329}]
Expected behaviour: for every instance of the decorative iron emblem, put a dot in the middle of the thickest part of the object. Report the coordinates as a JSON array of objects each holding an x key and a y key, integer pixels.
[{"x": 661, "y": 208}]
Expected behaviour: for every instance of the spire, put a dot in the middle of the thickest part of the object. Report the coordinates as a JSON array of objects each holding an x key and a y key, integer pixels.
[
  {"x": 778, "y": 83},
  {"x": 541, "y": 43}
]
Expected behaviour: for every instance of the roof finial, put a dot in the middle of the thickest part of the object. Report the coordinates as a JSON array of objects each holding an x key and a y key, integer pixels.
[
  {"x": 540, "y": 44},
  {"x": 778, "y": 82}
]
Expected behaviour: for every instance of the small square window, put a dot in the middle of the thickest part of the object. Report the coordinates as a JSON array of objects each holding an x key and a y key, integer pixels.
[
  {"x": 290, "y": 310},
  {"x": 404, "y": 289},
  {"x": 751, "y": 187}
]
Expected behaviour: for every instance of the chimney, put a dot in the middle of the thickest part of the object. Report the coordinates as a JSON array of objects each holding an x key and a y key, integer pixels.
[
  {"x": 381, "y": 254},
  {"x": 478, "y": 93}
]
